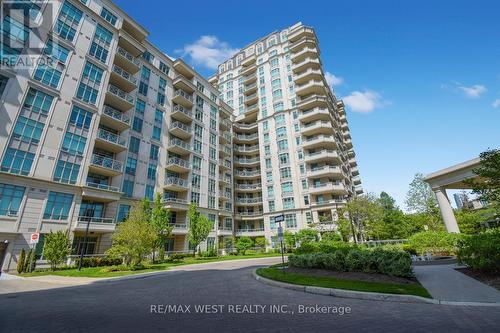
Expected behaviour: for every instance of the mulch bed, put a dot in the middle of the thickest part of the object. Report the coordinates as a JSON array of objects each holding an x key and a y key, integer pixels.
[
  {"x": 358, "y": 276},
  {"x": 492, "y": 280}
]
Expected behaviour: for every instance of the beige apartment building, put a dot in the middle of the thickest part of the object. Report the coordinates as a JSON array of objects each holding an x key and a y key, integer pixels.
[
  {"x": 293, "y": 153},
  {"x": 112, "y": 119}
]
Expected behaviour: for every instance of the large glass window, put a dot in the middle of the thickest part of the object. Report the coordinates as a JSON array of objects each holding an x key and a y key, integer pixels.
[
  {"x": 90, "y": 83},
  {"x": 68, "y": 21},
  {"x": 80, "y": 118},
  {"x": 123, "y": 211},
  {"x": 66, "y": 172},
  {"x": 17, "y": 161},
  {"x": 10, "y": 199},
  {"x": 58, "y": 206}
]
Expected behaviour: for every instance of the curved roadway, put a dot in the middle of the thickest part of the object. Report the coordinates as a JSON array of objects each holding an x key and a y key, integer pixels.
[{"x": 127, "y": 306}]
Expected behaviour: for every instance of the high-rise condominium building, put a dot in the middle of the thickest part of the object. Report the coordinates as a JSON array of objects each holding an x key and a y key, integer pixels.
[
  {"x": 111, "y": 119},
  {"x": 292, "y": 149}
]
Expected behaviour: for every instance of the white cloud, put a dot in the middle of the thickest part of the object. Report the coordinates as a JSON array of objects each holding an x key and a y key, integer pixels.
[
  {"x": 208, "y": 51},
  {"x": 364, "y": 102},
  {"x": 496, "y": 103},
  {"x": 473, "y": 91},
  {"x": 333, "y": 80}
]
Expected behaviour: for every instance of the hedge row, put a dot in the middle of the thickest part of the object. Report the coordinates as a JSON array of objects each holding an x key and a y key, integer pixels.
[
  {"x": 481, "y": 251},
  {"x": 352, "y": 259},
  {"x": 99, "y": 261}
]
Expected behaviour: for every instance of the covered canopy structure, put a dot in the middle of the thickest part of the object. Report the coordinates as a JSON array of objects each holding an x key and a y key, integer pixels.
[{"x": 451, "y": 178}]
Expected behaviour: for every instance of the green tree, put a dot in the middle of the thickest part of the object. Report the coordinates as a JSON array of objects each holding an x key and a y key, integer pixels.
[
  {"x": 420, "y": 199},
  {"x": 331, "y": 236},
  {"x": 199, "y": 226},
  {"x": 134, "y": 237},
  {"x": 392, "y": 223},
  {"x": 261, "y": 242},
  {"x": 487, "y": 186},
  {"x": 243, "y": 244},
  {"x": 289, "y": 240},
  {"x": 387, "y": 202},
  {"x": 56, "y": 248},
  {"x": 306, "y": 235},
  {"x": 470, "y": 221},
  {"x": 159, "y": 220},
  {"x": 20, "y": 261},
  {"x": 363, "y": 213}
]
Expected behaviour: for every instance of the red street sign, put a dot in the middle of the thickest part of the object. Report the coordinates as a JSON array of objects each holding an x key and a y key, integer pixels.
[{"x": 34, "y": 238}]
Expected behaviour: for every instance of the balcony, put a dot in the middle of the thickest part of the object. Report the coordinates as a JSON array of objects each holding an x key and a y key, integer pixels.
[
  {"x": 105, "y": 166},
  {"x": 319, "y": 141},
  {"x": 123, "y": 79},
  {"x": 247, "y": 161},
  {"x": 183, "y": 98},
  {"x": 312, "y": 87},
  {"x": 314, "y": 101},
  {"x": 127, "y": 61},
  {"x": 225, "y": 124},
  {"x": 225, "y": 150},
  {"x": 175, "y": 204},
  {"x": 314, "y": 114},
  {"x": 326, "y": 171},
  {"x": 248, "y": 61},
  {"x": 246, "y": 127},
  {"x": 224, "y": 164},
  {"x": 337, "y": 188},
  {"x": 298, "y": 56},
  {"x": 256, "y": 215},
  {"x": 252, "y": 109},
  {"x": 250, "y": 88},
  {"x": 303, "y": 43},
  {"x": 101, "y": 192},
  {"x": 224, "y": 195},
  {"x": 177, "y": 164},
  {"x": 251, "y": 99},
  {"x": 313, "y": 63},
  {"x": 356, "y": 181},
  {"x": 176, "y": 184},
  {"x": 184, "y": 69},
  {"x": 355, "y": 171},
  {"x": 115, "y": 119},
  {"x": 317, "y": 127},
  {"x": 346, "y": 134},
  {"x": 250, "y": 232},
  {"x": 247, "y": 174},
  {"x": 119, "y": 99},
  {"x": 301, "y": 32},
  {"x": 359, "y": 190},
  {"x": 225, "y": 137},
  {"x": 329, "y": 202},
  {"x": 96, "y": 224},
  {"x": 179, "y": 228},
  {"x": 322, "y": 155},
  {"x": 248, "y": 187},
  {"x": 178, "y": 146},
  {"x": 110, "y": 141},
  {"x": 248, "y": 201},
  {"x": 182, "y": 83},
  {"x": 181, "y": 113},
  {"x": 180, "y": 130},
  {"x": 225, "y": 179},
  {"x": 348, "y": 143},
  {"x": 307, "y": 75},
  {"x": 246, "y": 149},
  {"x": 247, "y": 73},
  {"x": 247, "y": 137}
]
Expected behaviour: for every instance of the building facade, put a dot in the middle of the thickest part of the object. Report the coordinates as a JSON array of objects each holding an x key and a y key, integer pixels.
[
  {"x": 293, "y": 153},
  {"x": 111, "y": 119}
]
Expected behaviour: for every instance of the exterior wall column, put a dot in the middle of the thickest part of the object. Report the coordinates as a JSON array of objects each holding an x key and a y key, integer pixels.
[{"x": 446, "y": 210}]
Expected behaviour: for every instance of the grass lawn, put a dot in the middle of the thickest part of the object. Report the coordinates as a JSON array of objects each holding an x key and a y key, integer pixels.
[
  {"x": 330, "y": 282},
  {"x": 99, "y": 272}
]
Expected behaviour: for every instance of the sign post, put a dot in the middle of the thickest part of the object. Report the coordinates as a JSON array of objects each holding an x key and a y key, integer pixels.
[
  {"x": 279, "y": 219},
  {"x": 35, "y": 237}
]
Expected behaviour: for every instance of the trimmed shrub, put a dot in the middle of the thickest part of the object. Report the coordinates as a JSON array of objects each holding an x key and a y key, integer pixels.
[
  {"x": 323, "y": 247},
  {"x": 20, "y": 261},
  {"x": 481, "y": 251},
  {"x": 99, "y": 261},
  {"x": 390, "y": 262},
  {"x": 434, "y": 242}
]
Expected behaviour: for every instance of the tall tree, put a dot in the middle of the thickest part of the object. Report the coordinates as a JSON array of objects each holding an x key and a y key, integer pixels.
[
  {"x": 199, "y": 226},
  {"x": 133, "y": 238},
  {"x": 421, "y": 200},
  {"x": 159, "y": 220},
  {"x": 56, "y": 248},
  {"x": 387, "y": 202},
  {"x": 363, "y": 213},
  {"x": 488, "y": 184}
]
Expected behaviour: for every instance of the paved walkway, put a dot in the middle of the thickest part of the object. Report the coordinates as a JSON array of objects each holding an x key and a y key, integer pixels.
[{"x": 447, "y": 284}]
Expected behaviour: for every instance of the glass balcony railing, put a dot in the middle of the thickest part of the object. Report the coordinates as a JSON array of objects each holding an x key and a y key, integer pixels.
[{"x": 111, "y": 137}]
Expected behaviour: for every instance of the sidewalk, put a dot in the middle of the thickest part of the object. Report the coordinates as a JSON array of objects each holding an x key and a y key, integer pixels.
[{"x": 446, "y": 284}]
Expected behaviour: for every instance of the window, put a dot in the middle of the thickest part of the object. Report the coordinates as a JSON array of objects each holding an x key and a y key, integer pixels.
[
  {"x": 290, "y": 221},
  {"x": 282, "y": 145},
  {"x": 270, "y": 191},
  {"x": 306, "y": 200},
  {"x": 265, "y": 125},
  {"x": 275, "y": 72},
  {"x": 10, "y": 199},
  {"x": 58, "y": 206},
  {"x": 287, "y": 187},
  {"x": 268, "y": 163},
  {"x": 108, "y": 16},
  {"x": 149, "y": 192},
  {"x": 164, "y": 68},
  {"x": 153, "y": 152},
  {"x": 28, "y": 130},
  {"x": 66, "y": 172},
  {"x": 284, "y": 158},
  {"x": 140, "y": 106},
  {"x": 197, "y": 163},
  {"x": 304, "y": 184},
  {"x": 148, "y": 57},
  {"x": 272, "y": 208},
  {"x": 128, "y": 188},
  {"x": 68, "y": 21},
  {"x": 160, "y": 99},
  {"x": 267, "y": 150},
  {"x": 156, "y": 133},
  {"x": 123, "y": 211},
  {"x": 281, "y": 132},
  {"x": 211, "y": 169},
  {"x": 152, "y": 171},
  {"x": 134, "y": 145},
  {"x": 131, "y": 166},
  {"x": 17, "y": 161},
  {"x": 276, "y": 83},
  {"x": 90, "y": 83},
  {"x": 266, "y": 137},
  {"x": 137, "y": 124},
  {"x": 80, "y": 118},
  {"x": 278, "y": 107},
  {"x": 51, "y": 75},
  {"x": 288, "y": 203},
  {"x": 285, "y": 173},
  {"x": 269, "y": 176},
  {"x": 143, "y": 88},
  {"x": 198, "y": 131},
  {"x": 196, "y": 180},
  {"x": 195, "y": 197},
  {"x": 213, "y": 153},
  {"x": 74, "y": 144},
  {"x": 100, "y": 44},
  {"x": 37, "y": 102},
  {"x": 197, "y": 146},
  {"x": 280, "y": 119}
]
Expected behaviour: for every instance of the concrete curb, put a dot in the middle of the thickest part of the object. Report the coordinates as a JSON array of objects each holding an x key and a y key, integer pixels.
[{"x": 365, "y": 295}]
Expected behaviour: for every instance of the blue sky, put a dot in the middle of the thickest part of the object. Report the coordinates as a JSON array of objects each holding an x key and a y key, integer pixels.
[{"x": 421, "y": 79}]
